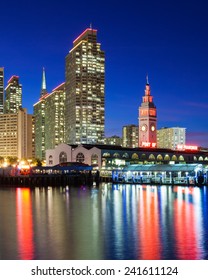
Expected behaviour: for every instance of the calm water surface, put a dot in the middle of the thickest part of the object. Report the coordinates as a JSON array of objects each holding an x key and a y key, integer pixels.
[{"x": 109, "y": 222}]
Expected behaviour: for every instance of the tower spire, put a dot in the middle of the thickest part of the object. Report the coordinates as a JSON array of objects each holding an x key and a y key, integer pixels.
[
  {"x": 43, "y": 86},
  {"x": 147, "y": 78}
]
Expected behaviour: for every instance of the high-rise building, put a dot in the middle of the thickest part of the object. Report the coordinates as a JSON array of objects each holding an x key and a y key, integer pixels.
[
  {"x": 147, "y": 120},
  {"x": 171, "y": 137},
  {"x": 13, "y": 100},
  {"x": 16, "y": 134},
  {"x": 1, "y": 90},
  {"x": 130, "y": 136},
  {"x": 85, "y": 90},
  {"x": 39, "y": 115},
  {"x": 55, "y": 117},
  {"x": 113, "y": 140}
]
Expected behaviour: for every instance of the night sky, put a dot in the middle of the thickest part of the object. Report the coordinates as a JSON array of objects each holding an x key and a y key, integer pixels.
[{"x": 166, "y": 39}]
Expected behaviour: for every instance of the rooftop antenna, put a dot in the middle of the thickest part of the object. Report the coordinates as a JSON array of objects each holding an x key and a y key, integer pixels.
[
  {"x": 147, "y": 78},
  {"x": 90, "y": 25}
]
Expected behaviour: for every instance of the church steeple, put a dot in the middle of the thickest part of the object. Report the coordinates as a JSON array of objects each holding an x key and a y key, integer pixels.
[{"x": 43, "y": 87}]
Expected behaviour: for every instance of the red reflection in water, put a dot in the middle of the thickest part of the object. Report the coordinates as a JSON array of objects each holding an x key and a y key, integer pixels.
[
  {"x": 148, "y": 226},
  {"x": 185, "y": 226},
  {"x": 24, "y": 224}
]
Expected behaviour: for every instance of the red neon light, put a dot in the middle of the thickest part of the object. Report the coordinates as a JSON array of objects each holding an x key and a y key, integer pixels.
[
  {"x": 149, "y": 145},
  {"x": 187, "y": 147},
  {"x": 12, "y": 77},
  {"x": 88, "y": 29}
]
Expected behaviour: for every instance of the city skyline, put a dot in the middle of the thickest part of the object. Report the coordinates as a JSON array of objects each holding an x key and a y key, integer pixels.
[{"x": 165, "y": 40}]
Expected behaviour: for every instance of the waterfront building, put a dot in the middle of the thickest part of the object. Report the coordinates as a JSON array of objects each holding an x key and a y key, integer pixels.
[
  {"x": 130, "y": 136},
  {"x": 55, "y": 117},
  {"x": 16, "y": 134},
  {"x": 1, "y": 90},
  {"x": 171, "y": 137},
  {"x": 107, "y": 157},
  {"x": 147, "y": 120},
  {"x": 113, "y": 140},
  {"x": 85, "y": 90},
  {"x": 13, "y": 98}
]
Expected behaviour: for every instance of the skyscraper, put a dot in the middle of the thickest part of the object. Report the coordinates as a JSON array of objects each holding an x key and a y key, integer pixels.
[
  {"x": 147, "y": 120},
  {"x": 13, "y": 100},
  {"x": 39, "y": 115},
  {"x": 130, "y": 136},
  {"x": 1, "y": 90},
  {"x": 171, "y": 137},
  {"x": 85, "y": 90}
]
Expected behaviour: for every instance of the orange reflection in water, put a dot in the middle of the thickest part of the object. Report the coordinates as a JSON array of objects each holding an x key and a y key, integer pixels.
[
  {"x": 24, "y": 224},
  {"x": 185, "y": 225},
  {"x": 148, "y": 225}
]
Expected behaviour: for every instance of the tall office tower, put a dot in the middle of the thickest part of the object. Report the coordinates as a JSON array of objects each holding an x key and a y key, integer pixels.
[
  {"x": 147, "y": 120},
  {"x": 85, "y": 90},
  {"x": 39, "y": 115},
  {"x": 55, "y": 117},
  {"x": 16, "y": 134},
  {"x": 171, "y": 137},
  {"x": 13, "y": 100},
  {"x": 130, "y": 136},
  {"x": 1, "y": 90}
]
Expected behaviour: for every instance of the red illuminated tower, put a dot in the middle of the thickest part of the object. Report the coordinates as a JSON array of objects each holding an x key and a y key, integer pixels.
[{"x": 147, "y": 120}]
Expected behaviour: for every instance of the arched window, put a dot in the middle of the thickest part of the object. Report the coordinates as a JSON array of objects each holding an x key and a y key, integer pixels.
[
  {"x": 151, "y": 157},
  {"x": 174, "y": 158},
  {"x": 201, "y": 158},
  {"x": 94, "y": 159},
  {"x": 143, "y": 157},
  {"x": 80, "y": 157},
  {"x": 62, "y": 157},
  {"x": 116, "y": 155},
  {"x": 134, "y": 156},
  {"x": 50, "y": 160},
  {"x": 167, "y": 157},
  {"x": 106, "y": 155},
  {"x": 159, "y": 158},
  {"x": 195, "y": 158},
  {"x": 181, "y": 158},
  {"x": 206, "y": 158},
  {"x": 125, "y": 155}
]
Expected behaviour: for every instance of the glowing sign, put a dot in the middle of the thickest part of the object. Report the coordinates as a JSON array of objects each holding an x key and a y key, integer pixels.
[
  {"x": 187, "y": 147},
  {"x": 148, "y": 145}
]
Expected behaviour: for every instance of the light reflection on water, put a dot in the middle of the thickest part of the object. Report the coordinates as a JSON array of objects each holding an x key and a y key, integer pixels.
[{"x": 109, "y": 222}]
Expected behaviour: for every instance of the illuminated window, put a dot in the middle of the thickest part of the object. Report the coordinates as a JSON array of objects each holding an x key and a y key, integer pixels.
[
  {"x": 94, "y": 159},
  {"x": 80, "y": 157},
  {"x": 125, "y": 155},
  {"x": 134, "y": 156},
  {"x": 62, "y": 157},
  {"x": 151, "y": 157},
  {"x": 116, "y": 155},
  {"x": 174, "y": 158},
  {"x": 181, "y": 158},
  {"x": 159, "y": 158},
  {"x": 167, "y": 157}
]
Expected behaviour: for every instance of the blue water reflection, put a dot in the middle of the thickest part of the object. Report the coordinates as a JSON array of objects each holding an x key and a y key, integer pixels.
[{"x": 109, "y": 222}]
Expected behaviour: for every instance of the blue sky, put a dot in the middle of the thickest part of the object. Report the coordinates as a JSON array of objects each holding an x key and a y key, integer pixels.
[{"x": 166, "y": 39}]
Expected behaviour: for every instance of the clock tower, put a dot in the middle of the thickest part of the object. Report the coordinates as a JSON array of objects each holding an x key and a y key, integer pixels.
[{"x": 147, "y": 120}]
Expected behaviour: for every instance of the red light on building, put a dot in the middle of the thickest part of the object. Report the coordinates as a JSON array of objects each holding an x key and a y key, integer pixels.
[
  {"x": 187, "y": 147},
  {"x": 148, "y": 145}
]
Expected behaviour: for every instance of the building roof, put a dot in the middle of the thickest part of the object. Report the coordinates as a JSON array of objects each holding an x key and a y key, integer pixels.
[{"x": 163, "y": 167}]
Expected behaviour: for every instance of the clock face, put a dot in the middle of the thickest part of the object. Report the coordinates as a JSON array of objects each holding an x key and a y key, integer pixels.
[
  {"x": 144, "y": 127},
  {"x": 152, "y": 127}
]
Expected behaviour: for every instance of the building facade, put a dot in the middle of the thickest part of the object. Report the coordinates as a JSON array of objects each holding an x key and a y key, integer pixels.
[
  {"x": 170, "y": 138},
  {"x": 13, "y": 98},
  {"x": 1, "y": 90},
  {"x": 130, "y": 136},
  {"x": 113, "y": 140},
  {"x": 147, "y": 120},
  {"x": 55, "y": 117},
  {"x": 85, "y": 90},
  {"x": 16, "y": 134}
]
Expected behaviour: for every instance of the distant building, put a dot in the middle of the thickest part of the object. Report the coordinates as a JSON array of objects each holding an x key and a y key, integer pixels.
[
  {"x": 130, "y": 136},
  {"x": 113, "y": 140},
  {"x": 13, "y": 99},
  {"x": 170, "y": 137},
  {"x": 147, "y": 120},
  {"x": 1, "y": 90},
  {"x": 16, "y": 134},
  {"x": 85, "y": 90}
]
